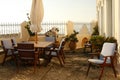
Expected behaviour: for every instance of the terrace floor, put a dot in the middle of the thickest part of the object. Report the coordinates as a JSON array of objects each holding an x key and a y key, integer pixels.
[{"x": 74, "y": 69}]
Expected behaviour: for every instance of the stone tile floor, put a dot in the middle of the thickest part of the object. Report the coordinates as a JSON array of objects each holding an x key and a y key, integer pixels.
[{"x": 74, "y": 69}]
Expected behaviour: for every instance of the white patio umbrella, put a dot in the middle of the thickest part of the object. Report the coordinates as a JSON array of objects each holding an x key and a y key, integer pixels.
[{"x": 36, "y": 16}]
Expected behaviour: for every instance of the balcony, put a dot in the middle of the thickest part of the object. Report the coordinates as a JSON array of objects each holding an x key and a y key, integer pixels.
[{"x": 9, "y": 30}]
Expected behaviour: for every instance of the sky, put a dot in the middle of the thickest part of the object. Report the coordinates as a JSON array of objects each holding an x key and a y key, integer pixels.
[
  {"x": 74, "y": 10},
  {"x": 54, "y": 10}
]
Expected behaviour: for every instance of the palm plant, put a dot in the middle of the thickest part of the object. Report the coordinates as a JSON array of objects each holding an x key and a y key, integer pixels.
[{"x": 72, "y": 37}]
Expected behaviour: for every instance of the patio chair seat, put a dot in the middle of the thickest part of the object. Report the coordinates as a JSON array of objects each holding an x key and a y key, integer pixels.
[
  {"x": 53, "y": 53},
  {"x": 98, "y": 61},
  {"x": 10, "y": 52}
]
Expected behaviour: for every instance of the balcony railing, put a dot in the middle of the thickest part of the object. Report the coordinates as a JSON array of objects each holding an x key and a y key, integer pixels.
[
  {"x": 14, "y": 29},
  {"x": 9, "y": 29},
  {"x": 47, "y": 26}
]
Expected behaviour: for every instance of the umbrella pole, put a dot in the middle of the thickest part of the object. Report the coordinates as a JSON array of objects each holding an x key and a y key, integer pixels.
[{"x": 36, "y": 38}]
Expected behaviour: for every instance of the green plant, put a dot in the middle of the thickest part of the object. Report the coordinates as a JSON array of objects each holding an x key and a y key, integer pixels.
[
  {"x": 95, "y": 30},
  {"x": 72, "y": 37},
  {"x": 111, "y": 39},
  {"x": 28, "y": 26},
  {"x": 97, "y": 41},
  {"x": 52, "y": 32}
]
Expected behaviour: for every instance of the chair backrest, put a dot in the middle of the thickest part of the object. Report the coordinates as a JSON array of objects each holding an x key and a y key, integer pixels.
[
  {"x": 13, "y": 41},
  {"x": 62, "y": 43},
  {"x": 26, "y": 50},
  {"x": 6, "y": 44},
  {"x": 108, "y": 49},
  {"x": 52, "y": 39}
]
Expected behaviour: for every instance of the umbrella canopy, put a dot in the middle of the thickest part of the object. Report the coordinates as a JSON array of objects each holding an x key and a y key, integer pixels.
[{"x": 36, "y": 15}]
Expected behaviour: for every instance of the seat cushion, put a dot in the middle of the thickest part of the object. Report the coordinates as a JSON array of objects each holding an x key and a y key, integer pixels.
[
  {"x": 98, "y": 61},
  {"x": 53, "y": 53}
]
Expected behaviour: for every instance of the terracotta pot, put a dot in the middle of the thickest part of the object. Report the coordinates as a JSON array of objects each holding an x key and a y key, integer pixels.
[
  {"x": 72, "y": 45},
  {"x": 32, "y": 38}
]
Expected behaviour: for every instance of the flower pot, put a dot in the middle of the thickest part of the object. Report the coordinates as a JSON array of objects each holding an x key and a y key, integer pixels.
[
  {"x": 32, "y": 38},
  {"x": 72, "y": 45}
]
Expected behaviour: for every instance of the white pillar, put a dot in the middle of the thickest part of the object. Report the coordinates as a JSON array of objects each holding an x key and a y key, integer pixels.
[
  {"x": 99, "y": 20},
  {"x": 113, "y": 17},
  {"x": 102, "y": 21},
  {"x": 105, "y": 18},
  {"x": 109, "y": 18},
  {"x": 118, "y": 39}
]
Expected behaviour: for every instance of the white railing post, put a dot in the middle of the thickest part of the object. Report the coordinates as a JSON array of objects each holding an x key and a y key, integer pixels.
[
  {"x": 70, "y": 26},
  {"x": 24, "y": 33}
]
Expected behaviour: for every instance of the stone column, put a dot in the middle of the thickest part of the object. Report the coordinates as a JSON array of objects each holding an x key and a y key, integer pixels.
[
  {"x": 108, "y": 18},
  {"x": 99, "y": 16},
  {"x": 113, "y": 17},
  {"x": 24, "y": 33},
  {"x": 69, "y": 30},
  {"x": 70, "y": 27}
]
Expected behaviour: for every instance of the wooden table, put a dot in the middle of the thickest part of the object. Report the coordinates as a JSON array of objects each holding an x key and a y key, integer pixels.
[
  {"x": 38, "y": 44},
  {"x": 42, "y": 44}
]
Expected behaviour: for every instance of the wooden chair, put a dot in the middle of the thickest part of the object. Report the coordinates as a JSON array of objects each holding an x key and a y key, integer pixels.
[
  {"x": 108, "y": 53},
  {"x": 8, "y": 50},
  {"x": 13, "y": 41},
  {"x": 27, "y": 53},
  {"x": 87, "y": 45},
  {"x": 51, "y": 39},
  {"x": 58, "y": 52}
]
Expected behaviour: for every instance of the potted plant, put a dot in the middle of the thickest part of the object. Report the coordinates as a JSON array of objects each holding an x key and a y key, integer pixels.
[
  {"x": 52, "y": 34},
  {"x": 72, "y": 39},
  {"x": 28, "y": 26},
  {"x": 97, "y": 41},
  {"x": 111, "y": 40}
]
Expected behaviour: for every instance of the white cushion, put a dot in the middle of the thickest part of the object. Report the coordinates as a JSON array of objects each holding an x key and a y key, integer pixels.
[
  {"x": 98, "y": 61},
  {"x": 53, "y": 53},
  {"x": 108, "y": 49},
  {"x": 52, "y": 39},
  {"x": 7, "y": 43}
]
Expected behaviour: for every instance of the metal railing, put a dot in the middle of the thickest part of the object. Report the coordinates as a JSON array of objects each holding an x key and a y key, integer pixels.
[
  {"x": 47, "y": 26},
  {"x": 14, "y": 29},
  {"x": 9, "y": 29}
]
